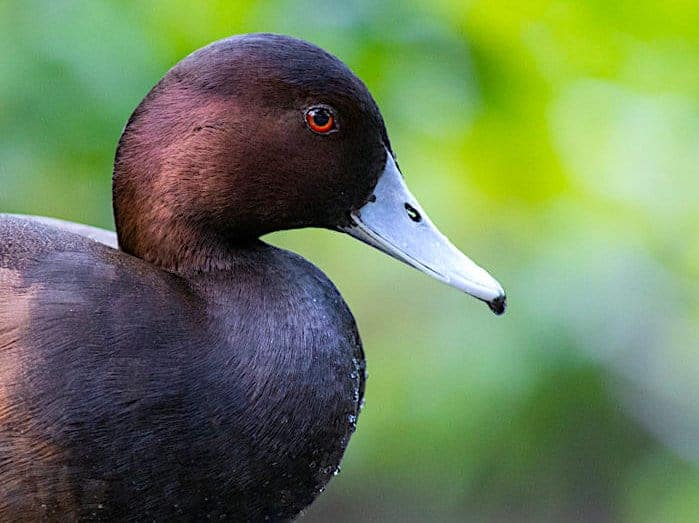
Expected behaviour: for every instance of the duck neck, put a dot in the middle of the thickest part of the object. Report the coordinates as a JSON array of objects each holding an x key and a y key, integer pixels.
[
  {"x": 159, "y": 231},
  {"x": 177, "y": 247}
]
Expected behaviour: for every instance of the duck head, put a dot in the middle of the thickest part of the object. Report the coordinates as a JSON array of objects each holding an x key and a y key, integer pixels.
[{"x": 259, "y": 133}]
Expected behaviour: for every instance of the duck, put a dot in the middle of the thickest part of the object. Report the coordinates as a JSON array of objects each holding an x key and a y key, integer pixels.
[{"x": 182, "y": 368}]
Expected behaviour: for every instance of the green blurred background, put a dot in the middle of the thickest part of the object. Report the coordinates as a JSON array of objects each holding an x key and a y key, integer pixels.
[{"x": 557, "y": 143}]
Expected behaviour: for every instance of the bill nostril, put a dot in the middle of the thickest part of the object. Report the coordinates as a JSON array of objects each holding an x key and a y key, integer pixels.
[{"x": 413, "y": 213}]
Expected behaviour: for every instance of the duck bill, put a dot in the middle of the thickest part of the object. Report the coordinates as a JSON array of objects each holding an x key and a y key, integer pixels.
[{"x": 394, "y": 222}]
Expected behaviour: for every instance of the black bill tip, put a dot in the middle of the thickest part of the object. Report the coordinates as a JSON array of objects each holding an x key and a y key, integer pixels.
[{"x": 498, "y": 305}]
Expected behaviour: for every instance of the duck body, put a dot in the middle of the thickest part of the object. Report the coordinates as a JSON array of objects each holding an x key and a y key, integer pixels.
[{"x": 229, "y": 394}]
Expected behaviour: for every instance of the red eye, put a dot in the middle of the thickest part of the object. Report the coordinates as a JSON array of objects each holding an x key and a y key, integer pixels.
[{"x": 320, "y": 120}]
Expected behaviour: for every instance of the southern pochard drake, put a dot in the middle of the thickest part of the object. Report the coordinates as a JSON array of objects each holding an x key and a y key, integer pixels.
[{"x": 194, "y": 371}]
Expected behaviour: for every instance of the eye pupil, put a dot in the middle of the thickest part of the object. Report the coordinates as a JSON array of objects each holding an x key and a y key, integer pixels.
[{"x": 321, "y": 117}]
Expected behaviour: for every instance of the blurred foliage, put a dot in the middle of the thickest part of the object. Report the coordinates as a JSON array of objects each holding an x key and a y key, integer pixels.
[{"x": 557, "y": 142}]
